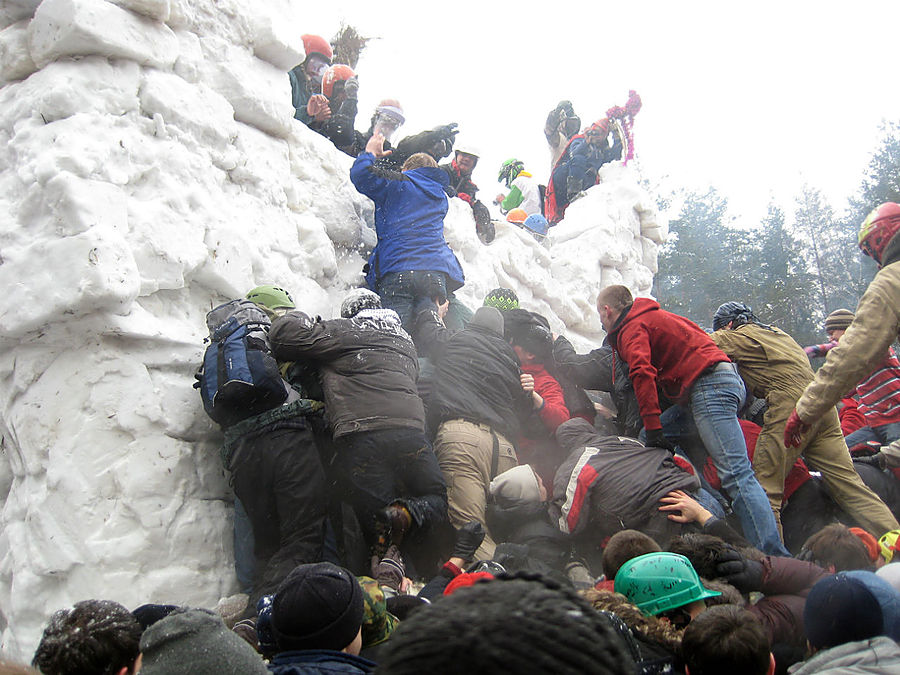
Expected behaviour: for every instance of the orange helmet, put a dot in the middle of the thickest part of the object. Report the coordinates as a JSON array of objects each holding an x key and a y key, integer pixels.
[
  {"x": 878, "y": 229},
  {"x": 315, "y": 44},
  {"x": 517, "y": 216},
  {"x": 336, "y": 73}
]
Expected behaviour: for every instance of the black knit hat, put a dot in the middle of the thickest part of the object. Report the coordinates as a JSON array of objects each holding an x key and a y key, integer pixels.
[
  {"x": 529, "y": 331},
  {"x": 317, "y": 606},
  {"x": 841, "y": 609},
  {"x": 839, "y": 319},
  {"x": 468, "y": 632}
]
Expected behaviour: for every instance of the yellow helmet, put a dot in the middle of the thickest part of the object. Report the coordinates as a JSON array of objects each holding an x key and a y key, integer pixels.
[{"x": 889, "y": 545}]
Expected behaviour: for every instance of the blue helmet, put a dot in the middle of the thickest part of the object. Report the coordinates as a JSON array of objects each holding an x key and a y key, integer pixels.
[{"x": 537, "y": 224}]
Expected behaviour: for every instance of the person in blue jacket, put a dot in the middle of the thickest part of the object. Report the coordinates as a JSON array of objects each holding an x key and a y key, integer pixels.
[{"x": 412, "y": 259}]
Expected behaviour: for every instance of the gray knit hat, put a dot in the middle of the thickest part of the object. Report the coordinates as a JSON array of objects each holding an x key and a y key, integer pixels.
[
  {"x": 489, "y": 318},
  {"x": 839, "y": 319},
  {"x": 196, "y": 642}
]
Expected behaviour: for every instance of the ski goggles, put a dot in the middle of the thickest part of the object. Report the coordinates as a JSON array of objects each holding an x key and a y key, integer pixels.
[{"x": 388, "y": 115}]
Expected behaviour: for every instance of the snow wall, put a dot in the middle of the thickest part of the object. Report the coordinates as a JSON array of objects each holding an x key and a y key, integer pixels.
[{"x": 150, "y": 169}]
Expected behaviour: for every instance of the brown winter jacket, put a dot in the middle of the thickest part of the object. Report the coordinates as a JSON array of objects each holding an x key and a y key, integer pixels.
[
  {"x": 770, "y": 362},
  {"x": 786, "y": 583},
  {"x": 861, "y": 349},
  {"x": 367, "y": 365}
]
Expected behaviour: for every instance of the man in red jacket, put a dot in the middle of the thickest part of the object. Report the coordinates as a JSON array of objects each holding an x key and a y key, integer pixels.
[{"x": 670, "y": 352}]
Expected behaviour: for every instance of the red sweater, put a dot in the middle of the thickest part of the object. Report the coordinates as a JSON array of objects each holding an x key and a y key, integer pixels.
[
  {"x": 661, "y": 349},
  {"x": 554, "y": 411}
]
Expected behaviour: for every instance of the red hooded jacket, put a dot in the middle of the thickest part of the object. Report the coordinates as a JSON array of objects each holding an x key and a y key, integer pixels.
[{"x": 661, "y": 349}]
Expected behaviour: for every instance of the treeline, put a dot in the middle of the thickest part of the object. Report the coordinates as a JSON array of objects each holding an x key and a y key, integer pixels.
[{"x": 793, "y": 271}]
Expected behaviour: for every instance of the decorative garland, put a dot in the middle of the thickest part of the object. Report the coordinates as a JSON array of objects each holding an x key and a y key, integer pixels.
[{"x": 626, "y": 119}]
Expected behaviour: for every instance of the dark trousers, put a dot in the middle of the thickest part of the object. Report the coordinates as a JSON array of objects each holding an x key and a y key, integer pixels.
[
  {"x": 278, "y": 476},
  {"x": 388, "y": 466}
]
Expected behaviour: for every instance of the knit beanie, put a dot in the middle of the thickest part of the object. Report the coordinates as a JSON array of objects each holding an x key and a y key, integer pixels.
[
  {"x": 519, "y": 483},
  {"x": 528, "y": 330},
  {"x": 471, "y": 632},
  {"x": 149, "y": 614},
  {"x": 841, "y": 609},
  {"x": 888, "y": 599},
  {"x": 317, "y": 606},
  {"x": 839, "y": 319},
  {"x": 502, "y": 298},
  {"x": 196, "y": 642},
  {"x": 465, "y": 580},
  {"x": 489, "y": 318}
]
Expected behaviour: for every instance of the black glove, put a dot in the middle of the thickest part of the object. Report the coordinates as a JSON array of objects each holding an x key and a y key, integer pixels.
[
  {"x": 468, "y": 539},
  {"x": 656, "y": 439},
  {"x": 744, "y": 574},
  {"x": 351, "y": 88}
]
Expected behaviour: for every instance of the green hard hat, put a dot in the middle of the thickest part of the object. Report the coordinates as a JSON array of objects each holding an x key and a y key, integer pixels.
[
  {"x": 658, "y": 582},
  {"x": 272, "y": 297}
]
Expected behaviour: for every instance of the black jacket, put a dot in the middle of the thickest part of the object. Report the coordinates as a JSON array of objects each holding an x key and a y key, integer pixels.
[
  {"x": 458, "y": 182},
  {"x": 477, "y": 379},
  {"x": 367, "y": 365},
  {"x": 528, "y": 523},
  {"x": 601, "y": 370}
]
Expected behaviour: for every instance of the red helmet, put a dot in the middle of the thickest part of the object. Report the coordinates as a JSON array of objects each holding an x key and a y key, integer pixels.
[
  {"x": 878, "y": 229},
  {"x": 336, "y": 73},
  {"x": 315, "y": 44}
]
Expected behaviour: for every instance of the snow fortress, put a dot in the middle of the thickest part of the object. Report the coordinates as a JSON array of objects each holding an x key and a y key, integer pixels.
[{"x": 150, "y": 168}]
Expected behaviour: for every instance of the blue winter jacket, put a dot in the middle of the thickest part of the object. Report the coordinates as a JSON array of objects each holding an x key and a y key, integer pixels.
[
  {"x": 320, "y": 662},
  {"x": 409, "y": 221}
]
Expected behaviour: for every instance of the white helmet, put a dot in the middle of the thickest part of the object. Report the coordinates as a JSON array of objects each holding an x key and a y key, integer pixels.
[{"x": 468, "y": 150}]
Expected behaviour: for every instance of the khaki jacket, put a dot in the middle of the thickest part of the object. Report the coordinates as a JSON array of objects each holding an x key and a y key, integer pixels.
[
  {"x": 770, "y": 362},
  {"x": 861, "y": 348}
]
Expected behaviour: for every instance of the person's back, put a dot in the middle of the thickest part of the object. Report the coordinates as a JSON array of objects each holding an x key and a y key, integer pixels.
[
  {"x": 608, "y": 484},
  {"x": 368, "y": 367},
  {"x": 664, "y": 348},
  {"x": 476, "y": 407},
  {"x": 769, "y": 359},
  {"x": 409, "y": 220}
]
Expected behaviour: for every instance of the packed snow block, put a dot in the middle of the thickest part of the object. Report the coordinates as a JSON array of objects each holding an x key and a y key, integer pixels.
[
  {"x": 154, "y": 227},
  {"x": 65, "y": 88},
  {"x": 90, "y": 272},
  {"x": 264, "y": 164},
  {"x": 650, "y": 254},
  {"x": 12, "y": 11},
  {"x": 15, "y": 58},
  {"x": 654, "y": 226},
  {"x": 259, "y": 92},
  {"x": 276, "y": 37},
  {"x": 231, "y": 20},
  {"x": 158, "y": 10},
  {"x": 63, "y": 28},
  {"x": 71, "y": 205},
  {"x": 194, "y": 108}
]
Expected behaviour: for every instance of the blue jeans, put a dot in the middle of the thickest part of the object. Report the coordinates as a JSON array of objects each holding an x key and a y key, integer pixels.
[
  {"x": 885, "y": 435},
  {"x": 715, "y": 399},
  {"x": 400, "y": 290}
]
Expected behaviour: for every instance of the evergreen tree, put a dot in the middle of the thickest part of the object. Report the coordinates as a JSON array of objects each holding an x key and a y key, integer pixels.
[
  {"x": 783, "y": 287},
  {"x": 696, "y": 264}
]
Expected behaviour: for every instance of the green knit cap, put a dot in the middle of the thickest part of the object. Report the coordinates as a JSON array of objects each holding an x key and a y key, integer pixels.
[{"x": 503, "y": 299}]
